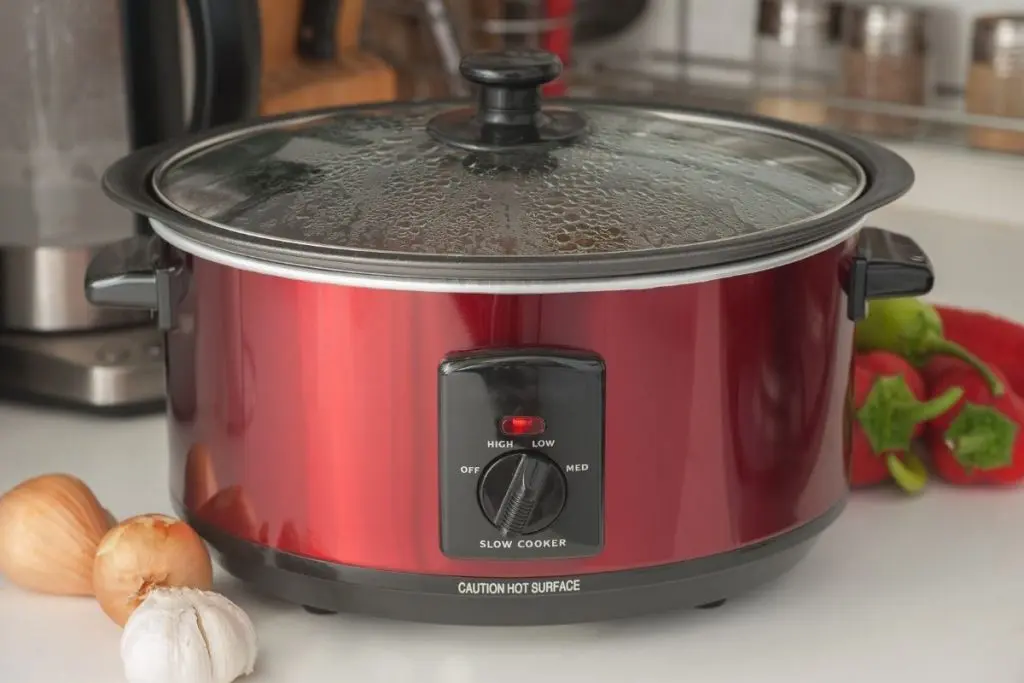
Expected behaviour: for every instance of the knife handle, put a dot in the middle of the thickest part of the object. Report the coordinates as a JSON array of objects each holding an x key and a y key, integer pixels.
[{"x": 317, "y": 27}]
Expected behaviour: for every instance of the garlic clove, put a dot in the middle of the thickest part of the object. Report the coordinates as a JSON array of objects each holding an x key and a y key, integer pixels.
[
  {"x": 143, "y": 553},
  {"x": 185, "y": 635},
  {"x": 165, "y": 644},
  {"x": 50, "y": 527},
  {"x": 230, "y": 636}
]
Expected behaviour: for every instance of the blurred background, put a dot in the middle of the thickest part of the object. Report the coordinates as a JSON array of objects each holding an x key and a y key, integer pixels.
[{"x": 86, "y": 82}]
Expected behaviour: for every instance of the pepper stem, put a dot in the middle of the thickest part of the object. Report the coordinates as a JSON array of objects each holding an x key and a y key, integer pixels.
[
  {"x": 909, "y": 473},
  {"x": 972, "y": 443},
  {"x": 890, "y": 413},
  {"x": 939, "y": 345},
  {"x": 929, "y": 410},
  {"x": 982, "y": 438}
]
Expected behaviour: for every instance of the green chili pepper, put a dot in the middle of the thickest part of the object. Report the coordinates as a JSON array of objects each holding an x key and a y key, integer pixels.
[{"x": 913, "y": 329}]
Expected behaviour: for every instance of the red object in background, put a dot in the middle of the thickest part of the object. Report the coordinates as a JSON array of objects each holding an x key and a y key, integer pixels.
[
  {"x": 559, "y": 41},
  {"x": 725, "y": 423}
]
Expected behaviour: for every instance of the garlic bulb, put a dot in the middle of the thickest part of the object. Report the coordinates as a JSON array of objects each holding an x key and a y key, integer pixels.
[
  {"x": 185, "y": 635},
  {"x": 143, "y": 553},
  {"x": 50, "y": 527}
]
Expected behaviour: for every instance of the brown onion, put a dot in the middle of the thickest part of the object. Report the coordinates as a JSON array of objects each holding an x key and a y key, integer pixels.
[
  {"x": 50, "y": 527},
  {"x": 143, "y": 553}
]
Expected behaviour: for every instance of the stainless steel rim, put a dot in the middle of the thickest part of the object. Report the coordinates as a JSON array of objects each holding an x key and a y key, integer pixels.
[{"x": 477, "y": 286}]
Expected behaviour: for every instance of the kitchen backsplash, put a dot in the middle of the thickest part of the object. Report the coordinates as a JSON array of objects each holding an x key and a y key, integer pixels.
[{"x": 724, "y": 28}]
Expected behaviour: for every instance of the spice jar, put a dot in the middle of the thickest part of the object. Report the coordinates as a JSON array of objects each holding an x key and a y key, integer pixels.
[
  {"x": 995, "y": 83},
  {"x": 884, "y": 59},
  {"x": 797, "y": 57}
]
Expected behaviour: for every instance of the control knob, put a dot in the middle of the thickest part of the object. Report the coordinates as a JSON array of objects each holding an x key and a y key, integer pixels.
[{"x": 522, "y": 493}]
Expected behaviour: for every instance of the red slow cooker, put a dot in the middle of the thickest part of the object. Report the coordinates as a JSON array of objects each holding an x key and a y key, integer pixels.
[{"x": 510, "y": 363}]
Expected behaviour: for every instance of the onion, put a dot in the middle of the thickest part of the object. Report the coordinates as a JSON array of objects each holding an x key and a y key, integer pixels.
[
  {"x": 143, "y": 553},
  {"x": 50, "y": 527}
]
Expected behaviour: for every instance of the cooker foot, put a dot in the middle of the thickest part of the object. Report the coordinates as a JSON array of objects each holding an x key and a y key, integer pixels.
[
  {"x": 317, "y": 610},
  {"x": 712, "y": 605}
]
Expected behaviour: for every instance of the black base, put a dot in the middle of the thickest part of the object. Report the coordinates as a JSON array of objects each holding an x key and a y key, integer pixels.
[{"x": 323, "y": 587}]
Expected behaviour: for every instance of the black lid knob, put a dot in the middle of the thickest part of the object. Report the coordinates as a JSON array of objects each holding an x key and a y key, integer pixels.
[
  {"x": 513, "y": 68},
  {"x": 509, "y": 116}
]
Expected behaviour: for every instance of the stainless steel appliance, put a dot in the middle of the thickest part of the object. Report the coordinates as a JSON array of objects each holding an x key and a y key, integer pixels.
[{"x": 83, "y": 84}]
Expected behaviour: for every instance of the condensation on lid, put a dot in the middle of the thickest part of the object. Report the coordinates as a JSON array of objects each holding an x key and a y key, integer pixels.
[{"x": 372, "y": 181}]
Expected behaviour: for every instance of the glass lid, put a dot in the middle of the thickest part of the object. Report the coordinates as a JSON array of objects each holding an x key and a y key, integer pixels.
[{"x": 509, "y": 184}]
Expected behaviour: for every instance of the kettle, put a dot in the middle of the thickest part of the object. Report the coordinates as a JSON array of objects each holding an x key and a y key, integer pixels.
[{"x": 84, "y": 83}]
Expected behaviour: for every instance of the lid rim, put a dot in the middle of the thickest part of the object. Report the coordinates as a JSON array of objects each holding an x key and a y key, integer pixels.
[
  {"x": 557, "y": 269},
  {"x": 491, "y": 285},
  {"x": 885, "y": 177}
]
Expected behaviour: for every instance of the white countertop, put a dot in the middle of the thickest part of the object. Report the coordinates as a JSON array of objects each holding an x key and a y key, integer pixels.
[{"x": 899, "y": 589}]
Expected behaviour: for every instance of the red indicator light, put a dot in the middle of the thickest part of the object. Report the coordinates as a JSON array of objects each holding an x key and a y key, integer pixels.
[{"x": 522, "y": 425}]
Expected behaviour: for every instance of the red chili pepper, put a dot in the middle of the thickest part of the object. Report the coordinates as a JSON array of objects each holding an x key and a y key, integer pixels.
[
  {"x": 996, "y": 340},
  {"x": 890, "y": 412},
  {"x": 979, "y": 440}
]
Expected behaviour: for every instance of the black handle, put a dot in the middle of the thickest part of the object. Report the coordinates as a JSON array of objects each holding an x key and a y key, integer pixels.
[
  {"x": 887, "y": 264},
  {"x": 317, "y": 30},
  {"x": 151, "y": 52},
  {"x": 133, "y": 274},
  {"x": 226, "y": 36},
  {"x": 509, "y": 116},
  {"x": 156, "y": 102}
]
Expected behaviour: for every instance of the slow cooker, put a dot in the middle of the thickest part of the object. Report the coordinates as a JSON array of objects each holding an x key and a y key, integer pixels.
[{"x": 521, "y": 361}]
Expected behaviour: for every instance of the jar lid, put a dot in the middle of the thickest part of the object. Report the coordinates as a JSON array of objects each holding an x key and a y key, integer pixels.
[{"x": 508, "y": 189}]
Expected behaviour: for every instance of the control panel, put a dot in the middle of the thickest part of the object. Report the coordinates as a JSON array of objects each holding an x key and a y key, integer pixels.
[{"x": 521, "y": 454}]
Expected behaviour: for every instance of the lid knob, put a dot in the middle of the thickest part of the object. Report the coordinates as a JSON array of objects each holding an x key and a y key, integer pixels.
[{"x": 509, "y": 116}]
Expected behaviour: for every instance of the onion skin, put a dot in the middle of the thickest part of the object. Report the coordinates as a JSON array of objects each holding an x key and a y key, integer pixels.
[
  {"x": 50, "y": 527},
  {"x": 146, "y": 552}
]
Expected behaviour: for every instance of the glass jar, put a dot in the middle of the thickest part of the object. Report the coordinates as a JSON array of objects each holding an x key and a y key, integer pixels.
[
  {"x": 884, "y": 59},
  {"x": 995, "y": 82},
  {"x": 796, "y": 56}
]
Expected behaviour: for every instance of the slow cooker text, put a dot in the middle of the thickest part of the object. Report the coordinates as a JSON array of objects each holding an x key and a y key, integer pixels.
[
  {"x": 519, "y": 587},
  {"x": 525, "y": 543}
]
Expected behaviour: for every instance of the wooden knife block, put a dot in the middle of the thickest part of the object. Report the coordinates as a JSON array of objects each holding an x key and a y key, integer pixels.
[{"x": 292, "y": 84}]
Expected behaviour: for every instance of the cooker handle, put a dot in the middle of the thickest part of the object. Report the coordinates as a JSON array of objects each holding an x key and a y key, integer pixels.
[
  {"x": 132, "y": 274},
  {"x": 887, "y": 264}
]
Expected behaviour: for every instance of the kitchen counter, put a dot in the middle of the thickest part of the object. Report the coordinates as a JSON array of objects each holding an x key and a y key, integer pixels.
[{"x": 898, "y": 589}]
